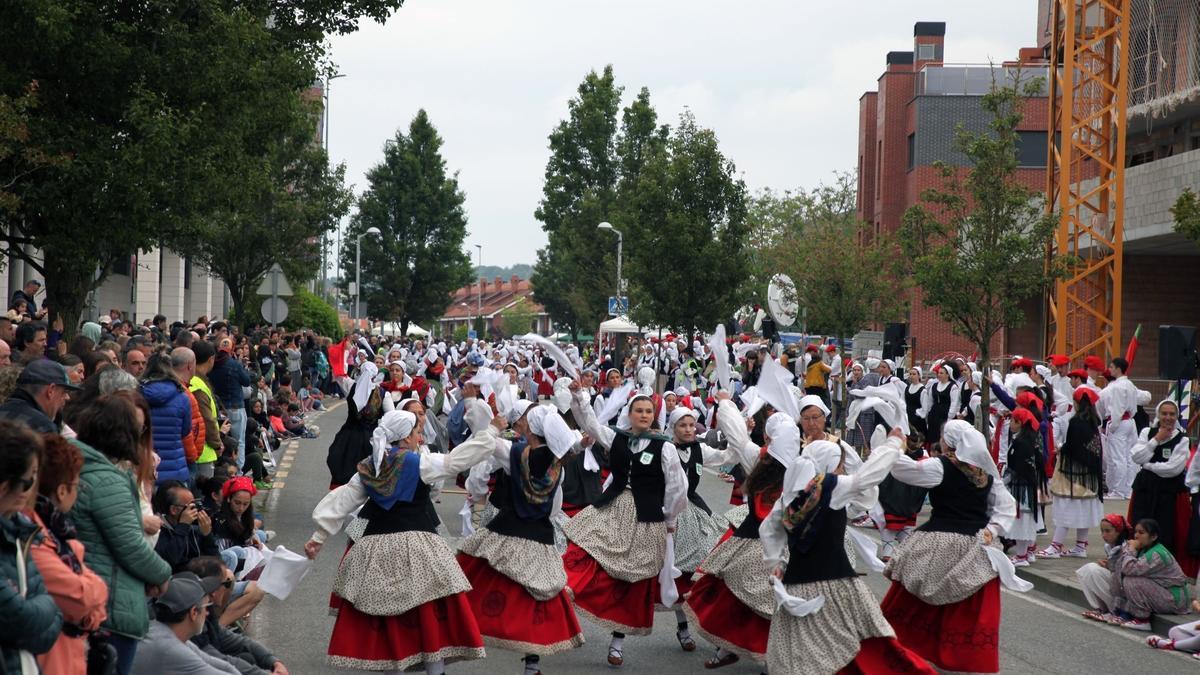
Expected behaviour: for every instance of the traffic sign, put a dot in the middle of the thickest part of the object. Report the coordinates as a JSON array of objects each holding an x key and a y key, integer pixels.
[
  {"x": 618, "y": 306},
  {"x": 471, "y": 334},
  {"x": 275, "y": 310},
  {"x": 275, "y": 283}
]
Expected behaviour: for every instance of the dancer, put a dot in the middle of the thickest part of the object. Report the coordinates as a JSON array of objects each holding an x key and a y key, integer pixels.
[
  {"x": 828, "y": 619},
  {"x": 1118, "y": 401},
  {"x": 404, "y": 601},
  {"x": 900, "y": 502},
  {"x": 518, "y": 585},
  {"x": 939, "y": 402},
  {"x": 1025, "y": 479},
  {"x": 618, "y": 547},
  {"x": 1160, "y": 490},
  {"x": 1078, "y": 482},
  {"x": 731, "y": 604},
  {"x": 913, "y": 395},
  {"x": 945, "y": 597}
]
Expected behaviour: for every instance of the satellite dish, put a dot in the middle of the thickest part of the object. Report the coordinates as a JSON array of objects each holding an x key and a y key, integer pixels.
[{"x": 781, "y": 300}]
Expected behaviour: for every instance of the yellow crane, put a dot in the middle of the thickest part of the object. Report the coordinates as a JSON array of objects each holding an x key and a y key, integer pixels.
[{"x": 1085, "y": 181}]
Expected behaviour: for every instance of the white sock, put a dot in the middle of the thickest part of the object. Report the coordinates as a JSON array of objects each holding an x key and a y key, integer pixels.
[
  {"x": 681, "y": 619},
  {"x": 435, "y": 667},
  {"x": 888, "y": 536},
  {"x": 617, "y": 643}
]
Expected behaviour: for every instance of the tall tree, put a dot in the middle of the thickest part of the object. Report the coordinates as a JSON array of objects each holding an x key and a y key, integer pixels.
[
  {"x": 573, "y": 275},
  {"x": 145, "y": 99},
  {"x": 686, "y": 228},
  {"x": 418, "y": 261},
  {"x": 1186, "y": 213},
  {"x": 978, "y": 245}
]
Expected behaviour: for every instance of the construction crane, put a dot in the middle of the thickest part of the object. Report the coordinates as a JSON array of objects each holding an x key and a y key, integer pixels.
[{"x": 1085, "y": 184}]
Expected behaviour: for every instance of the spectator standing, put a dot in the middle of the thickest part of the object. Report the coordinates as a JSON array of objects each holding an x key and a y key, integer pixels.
[
  {"x": 43, "y": 388},
  {"x": 81, "y": 596},
  {"x": 294, "y": 359},
  {"x": 29, "y": 620},
  {"x": 183, "y": 364},
  {"x": 7, "y": 330},
  {"x": 179, "y": 615},
  {"x": 228, "y": 378},
  {"x": 5, "y": 352},
  {"x": 133, "y": 360},
  {"x": 28, "y": 294},
  {"x": 107, "y": 518},
  {"x": 170, "y": 416},
  {"x": 31, "y": 342},
  {"x": 202, "y": 394},
  {"x": 188, "y": 531}
]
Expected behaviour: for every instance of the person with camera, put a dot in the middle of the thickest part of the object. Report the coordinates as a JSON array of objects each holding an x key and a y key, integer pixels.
[{"x": 188, "y": 530}]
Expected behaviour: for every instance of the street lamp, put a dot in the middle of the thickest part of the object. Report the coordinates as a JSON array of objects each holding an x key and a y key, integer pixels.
[
  {"x": 620, "y": 240},
  {"x": 358, "y": 269},
  {"x": 479, "y": 301},
  {"x": 325, "y": 244}
]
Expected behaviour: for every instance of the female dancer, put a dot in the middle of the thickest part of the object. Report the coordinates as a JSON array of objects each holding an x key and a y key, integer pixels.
[
  {"x": 1078, "y": 481},
  {"x": 618, "y": 546},
  {"x": 828, "y": 620},
  {"x": 939, "y": 402},
  {"x": 1024, "y": 478},
  {"x": 945, "y": 598},
  {"x": 518, "y": 585},
  {"x": 404, "y": 601},
  {"x": 914, "y": 394},
  {"x": 1159, "y": 489},
  {"x": 732, "y": 603}
]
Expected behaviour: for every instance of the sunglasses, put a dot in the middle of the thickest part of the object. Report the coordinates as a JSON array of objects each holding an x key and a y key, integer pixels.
[{"x": 26, "y": 483}]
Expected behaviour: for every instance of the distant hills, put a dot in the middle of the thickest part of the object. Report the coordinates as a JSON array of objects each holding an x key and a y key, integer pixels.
[{"x": 492, "y": 271}]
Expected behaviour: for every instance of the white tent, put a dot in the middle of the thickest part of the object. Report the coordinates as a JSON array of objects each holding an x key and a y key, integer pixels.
[
  {"x": 392, "y": 328},
  {"x": 620, "y": 324}
]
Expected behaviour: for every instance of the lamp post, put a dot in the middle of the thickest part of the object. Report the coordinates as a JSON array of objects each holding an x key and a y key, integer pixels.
[
  {"x": 479, "y": 297},
  {"x": 325, "y": 243},
  {"x": 620, "y": 240},
  {"x": 358, "y": 269}
]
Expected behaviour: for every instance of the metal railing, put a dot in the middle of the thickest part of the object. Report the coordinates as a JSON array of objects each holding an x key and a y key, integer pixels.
[{"x": 975, "y": 79}]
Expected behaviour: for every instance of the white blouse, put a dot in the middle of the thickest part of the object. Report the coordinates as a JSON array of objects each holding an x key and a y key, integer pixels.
[
  {"x": 927, "y": 473},
  {"x": 1173, "y": 465}
]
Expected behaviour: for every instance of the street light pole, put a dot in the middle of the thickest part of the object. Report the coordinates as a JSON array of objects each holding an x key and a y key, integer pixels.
[
  {"x": 620, "y": 242},
  {"x": 325, "y": 243},
  {"x": 358, "y": 270},
  {"x": 479, "y": 300}
]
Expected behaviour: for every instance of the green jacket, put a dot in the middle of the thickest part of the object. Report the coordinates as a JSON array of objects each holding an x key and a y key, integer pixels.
[
  {"x": 31, "y": 623},
  {"x": 109, "y": 523}
]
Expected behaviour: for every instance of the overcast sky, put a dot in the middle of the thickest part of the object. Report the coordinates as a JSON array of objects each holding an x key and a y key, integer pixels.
[{"x": 778, "y": 81}]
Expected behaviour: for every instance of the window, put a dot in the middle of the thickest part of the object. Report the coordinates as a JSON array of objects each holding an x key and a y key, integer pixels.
[
  {"x": 912, "y": 150},
  {"x": 926, "y": 52},
  {"x": 879, "y": 170},
  {"x": 1031, "y": 148}
]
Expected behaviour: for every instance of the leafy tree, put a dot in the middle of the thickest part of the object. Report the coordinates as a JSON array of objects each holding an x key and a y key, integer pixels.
[
  {"x": 518, "y": 319},
  {"x": 686, "y": 231},
  {"x": 1186, "y": 212},
  {"x": 149, "y": 101},
  {"x": 307, "y": 310},
  {"x": 19, "y": 159},
  {"x": 416, "y": 264},
  {"x": 977, "y": 245}
]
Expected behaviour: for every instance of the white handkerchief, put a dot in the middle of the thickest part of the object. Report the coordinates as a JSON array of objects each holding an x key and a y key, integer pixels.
[{"x": 283, "y": 573}]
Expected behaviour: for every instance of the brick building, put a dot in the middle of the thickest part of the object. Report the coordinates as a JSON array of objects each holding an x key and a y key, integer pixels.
[
  {"x": 491, "y": 300},
  {"x": 908, "y": 123}
]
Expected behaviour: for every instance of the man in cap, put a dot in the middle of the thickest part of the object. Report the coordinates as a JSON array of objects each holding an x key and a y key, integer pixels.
[
  {"x": 179, "y": 615},
  {"x": 43, "y": 388}
]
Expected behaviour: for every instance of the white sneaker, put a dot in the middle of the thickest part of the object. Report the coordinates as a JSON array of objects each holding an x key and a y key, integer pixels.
[
  {"x": 1019, "y": 562},
  {"x": 1077, "y": 552},
  {"x": 1051, "y": 552}
]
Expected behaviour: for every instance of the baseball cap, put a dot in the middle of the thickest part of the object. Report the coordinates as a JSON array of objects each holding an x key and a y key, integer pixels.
[
  {"x": 185, "y": 591},
  {"x": 45, "y": 371},
  {"x": 106, "y": 319}
]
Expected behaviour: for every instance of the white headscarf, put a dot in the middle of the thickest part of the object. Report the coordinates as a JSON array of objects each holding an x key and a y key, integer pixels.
[
  {"x": 969, "y": 445},
  {"x": 678, "y": 414},
  {"x": 364, "y": 384},
  {"x": 885, "y": 401},
  {"x": 784, "y": 445},
  {"x": 519, "y": 408},
  {"x": 813, "y": 400},
  {"x": 393, "y": 427},
  {"x": 545, "y": 421},
  {"x": 562, "y": 394}
]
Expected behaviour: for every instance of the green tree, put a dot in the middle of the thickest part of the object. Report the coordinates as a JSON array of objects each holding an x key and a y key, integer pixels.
[
  {"x": 978, "y": 245},
  {"x": 686, "y": 231},
  {"x": 518, "y": 319},
  {"x": 148, "y": 101},
  {"x": 573, "y": 276},
  {"x": 410, "y": 271},
  {"x": 1186, "y": 212},
  {"x": 307, "y": 310}
]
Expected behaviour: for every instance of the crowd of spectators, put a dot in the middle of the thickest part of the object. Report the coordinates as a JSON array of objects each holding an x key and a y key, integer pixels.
[{"x": 129, "y": 459}]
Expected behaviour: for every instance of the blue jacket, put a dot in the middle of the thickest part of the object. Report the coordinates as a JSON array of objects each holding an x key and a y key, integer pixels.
[
  {"x": 171, "y": 420},
  {"x": 31, "y": 623},
  {"x": 227, "y": 378}
]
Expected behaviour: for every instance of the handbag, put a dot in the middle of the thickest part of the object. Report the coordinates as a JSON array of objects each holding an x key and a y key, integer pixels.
[{"x": 101, "y": 655}]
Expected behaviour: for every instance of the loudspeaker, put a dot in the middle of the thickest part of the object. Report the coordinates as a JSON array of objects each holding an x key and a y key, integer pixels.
[
  {"x": 895, "y": 337},
  {"x": 1177, "y": 352}
]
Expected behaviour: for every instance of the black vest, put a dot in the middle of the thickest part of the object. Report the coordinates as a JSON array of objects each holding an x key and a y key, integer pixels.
[
  {"x": 941, "y": 401},
  {"x": 912, "y": 402},
  {"x": 958, "y": 506},
  {"x": 1148, "y": 480},
  {"x": 964, "y": 405},
  {"x": 517, "y": 517},
  {"x": 824, "y": 557},
  {"x": 749, "y": 527},
  {"x": 642, "y": 473},
  {"x": 693, "y": 466},
  {"x": 414, "y": 516},
  {"x": 580, "y": 486}
]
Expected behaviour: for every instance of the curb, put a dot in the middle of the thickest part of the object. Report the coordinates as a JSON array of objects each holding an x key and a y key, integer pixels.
[{"x": 1058, "y": 589}]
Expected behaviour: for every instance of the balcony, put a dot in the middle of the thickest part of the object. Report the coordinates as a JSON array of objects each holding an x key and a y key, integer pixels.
[{"x": 976, "y": 80}]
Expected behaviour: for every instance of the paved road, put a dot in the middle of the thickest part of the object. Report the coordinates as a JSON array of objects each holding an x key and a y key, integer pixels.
[{"x": 1039, "y": 634}]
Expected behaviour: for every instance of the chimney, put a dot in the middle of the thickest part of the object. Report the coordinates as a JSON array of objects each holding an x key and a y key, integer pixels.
[
  {"x": 499, "y": 284},
  {"x": 899, "y": 62},
  {"x": 516, "y": 282},
  {"x": 929, "y": 38},
  {"x": 482, "y": 285}
]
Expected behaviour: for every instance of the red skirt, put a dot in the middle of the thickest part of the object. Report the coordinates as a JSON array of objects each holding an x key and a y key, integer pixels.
[
  {"x": 442, "y": 629},
  {"x": 614, "y": 604},
  {"x": 335, "y": 602},
  {"x": 725, "y": 621},
  {"x": 885, "y": 655},
  {"x": 510, "y": 618},
  {"x": 964, "y": 636}
]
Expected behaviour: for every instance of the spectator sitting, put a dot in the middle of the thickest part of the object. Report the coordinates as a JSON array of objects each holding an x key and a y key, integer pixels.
[
  {"x": 81, "y": 596},
  {"x": 43, "y": 388},
  {"x": 30, "y": 342},
  {"x": 171, "y": 418},
  {"x": 255, "y": 451},
  {"x": 258, "y": 412},
  {"x": 310, "y": 397},
  {"x": 248, "y": 656},
  {"x": 1146, "y": 580},
  {"x": 31, "y": 622},
  {"x": 275, "y": 415},
  {"x": 233, "y": 526},
  {"x": 1096, "y": 577},
  {"x": 294, "y": 423},
  {"x": 188, "y": 530},
  {"x": 112, "y": 430},
  {"x": 179, "y": 615}
]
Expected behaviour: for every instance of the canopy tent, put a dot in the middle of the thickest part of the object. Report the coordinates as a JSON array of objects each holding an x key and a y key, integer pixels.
[
  {"x": 566, "y": 337},
  {"x": 392, "y": 328},
  {"x": 620, "y": 324}
]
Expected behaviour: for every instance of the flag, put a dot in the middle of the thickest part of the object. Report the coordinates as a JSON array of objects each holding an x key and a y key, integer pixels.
[{"x": 1131, "y": 350}]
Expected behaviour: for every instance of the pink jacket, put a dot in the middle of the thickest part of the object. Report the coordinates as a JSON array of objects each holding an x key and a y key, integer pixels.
[{"x": 81, "y": 598}]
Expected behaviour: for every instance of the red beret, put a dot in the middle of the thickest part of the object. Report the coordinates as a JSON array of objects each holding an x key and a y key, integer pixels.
[
  {"x": 1023, "y": 416},
  {"x": 1028, "y": 398},
  {"x": 812, "y": 348},
  {"x": 1078, "y": 372},
  {"x": 1058, "y": 360},
  {"x": 1093, "y": 362},
  {"x": 1022, "y": 363},
  {"x": 831, "y": 348},
  {"x": 1082, "y": 392}
]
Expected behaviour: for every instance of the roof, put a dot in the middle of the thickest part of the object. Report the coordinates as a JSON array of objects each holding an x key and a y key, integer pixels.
[{"x": 492, "y": 296}]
